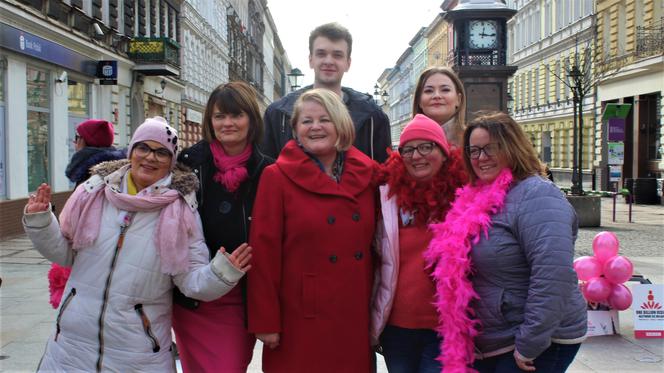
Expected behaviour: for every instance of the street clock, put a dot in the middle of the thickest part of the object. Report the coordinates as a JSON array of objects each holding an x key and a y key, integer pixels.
[
  {"x": 480, "y": 51},
  {"x": 482, "y": 34}
]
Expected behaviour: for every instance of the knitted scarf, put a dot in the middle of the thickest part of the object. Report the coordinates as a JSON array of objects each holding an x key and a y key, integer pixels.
[
  {"x": 80, "y": 219},
  {"x": 448, "y": 256},
  {"x": 231, "y": 169}
]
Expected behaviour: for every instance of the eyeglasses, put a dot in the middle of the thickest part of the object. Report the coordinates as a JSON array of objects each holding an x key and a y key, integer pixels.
[
  {"x": 490, "y": 150},
  {"x": 76, "y": 137},
  {"x": 423, "y": 148},
  {"x": 162, "y": 155}
]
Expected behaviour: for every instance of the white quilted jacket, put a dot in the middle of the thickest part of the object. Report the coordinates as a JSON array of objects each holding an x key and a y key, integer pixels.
[{"x": 115, "y": 313}]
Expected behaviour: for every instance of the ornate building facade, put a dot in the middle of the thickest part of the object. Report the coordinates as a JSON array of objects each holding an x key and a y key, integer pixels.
[
  {"x": 544, "y": 38},
  {"x": 630, "y": 44}
]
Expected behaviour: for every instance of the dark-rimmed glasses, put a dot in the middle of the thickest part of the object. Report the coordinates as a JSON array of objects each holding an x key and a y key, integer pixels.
[
  {"x": 162, "y": 155},
  {"x": 423, "y": 148},
  {"x": 490, "y": 150}
]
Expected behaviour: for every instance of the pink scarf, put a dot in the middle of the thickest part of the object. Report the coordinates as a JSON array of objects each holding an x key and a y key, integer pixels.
[
  {"x": 449, "y": 256},
  {"x": 231, "y": 169},
  {"x": 80, "y": 220}
]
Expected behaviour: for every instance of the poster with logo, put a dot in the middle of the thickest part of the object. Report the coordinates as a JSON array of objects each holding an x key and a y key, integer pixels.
[
  {"x": 648, "y": 306},
  {"x": 616, "y": 153},
  {"x": 615, "y": 173}
]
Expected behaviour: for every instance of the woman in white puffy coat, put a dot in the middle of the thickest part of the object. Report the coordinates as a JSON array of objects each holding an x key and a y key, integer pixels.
[{"x": 130, "y": 233}]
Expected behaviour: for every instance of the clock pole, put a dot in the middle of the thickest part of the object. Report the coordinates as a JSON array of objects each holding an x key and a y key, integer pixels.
[{"x": 480, "y": 53}]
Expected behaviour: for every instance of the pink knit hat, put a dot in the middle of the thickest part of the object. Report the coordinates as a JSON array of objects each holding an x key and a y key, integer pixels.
[
  {"x": 96, "y": 132},
  {"x": 156, "y": 129},
  {"x": 422, "y": 127}
]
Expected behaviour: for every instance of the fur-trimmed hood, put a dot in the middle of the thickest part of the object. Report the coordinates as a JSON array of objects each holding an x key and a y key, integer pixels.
[{"x": 183, "y": 181}]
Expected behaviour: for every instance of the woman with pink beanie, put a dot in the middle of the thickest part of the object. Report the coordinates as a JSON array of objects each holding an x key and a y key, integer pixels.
[
  {"x": 130, "y": 233},
  {"x": 419, "y": 183}
]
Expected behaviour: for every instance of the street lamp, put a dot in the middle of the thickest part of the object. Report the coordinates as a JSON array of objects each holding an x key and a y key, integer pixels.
[
  {"x": 575, "y": 78},
  {"x": 294, "y": 78},
  {"x": 380, "y": 98}
]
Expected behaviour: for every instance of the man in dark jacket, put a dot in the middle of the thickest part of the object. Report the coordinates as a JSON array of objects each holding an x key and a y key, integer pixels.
[{"x": 330, "y": 47}]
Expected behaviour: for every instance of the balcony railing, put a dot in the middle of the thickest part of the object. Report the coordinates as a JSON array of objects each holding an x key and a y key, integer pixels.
[
  {"x": 160, "y": 50},
  {"x": 473, "y": 58},
  {"x": 650, "y": 39}
]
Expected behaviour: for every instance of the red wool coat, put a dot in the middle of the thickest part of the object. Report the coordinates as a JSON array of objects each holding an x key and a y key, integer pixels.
[{"x": 312, "y": 273}]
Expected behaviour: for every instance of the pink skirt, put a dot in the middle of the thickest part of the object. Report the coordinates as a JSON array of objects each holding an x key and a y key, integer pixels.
[{"x": 213, "y": 337}]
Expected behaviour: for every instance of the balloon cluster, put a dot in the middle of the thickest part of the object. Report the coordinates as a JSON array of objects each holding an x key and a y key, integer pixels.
[{"x": 603, "y": 275}]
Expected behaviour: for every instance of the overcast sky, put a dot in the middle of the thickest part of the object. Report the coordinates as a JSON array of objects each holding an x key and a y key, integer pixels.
[{"x": 381, "y": 31}]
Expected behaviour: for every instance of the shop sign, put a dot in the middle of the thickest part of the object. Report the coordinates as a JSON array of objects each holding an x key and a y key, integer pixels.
[
  {"x": 616, "y": 129},
  {"x": 107, "y": 72},
  {"x": 26, "y": 43}
]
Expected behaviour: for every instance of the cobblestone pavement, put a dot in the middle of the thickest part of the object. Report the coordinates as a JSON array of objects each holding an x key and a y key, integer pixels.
[
  {"x": 644, "y": 237},
  {"x": 26, "y": 318}
]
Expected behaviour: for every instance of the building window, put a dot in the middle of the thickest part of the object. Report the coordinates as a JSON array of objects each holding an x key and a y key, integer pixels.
[
  {"x": 3, "y": 189},
  {"x": 38, "y": 126},
  {"x": 587, "y": 7},
  {"x": 559, "y": 15},
  {"x": 622, "y": 29},
  {"x": 79, "y": 108},
  {"x": 546, "y": 147},
  {"x": 547, "y": 84},
  {"x": 557, "y": 81},
  {"x": 537, "y": 87},
  {"x": 653, "y": 123},
  {"x": 547, "y": 18}
]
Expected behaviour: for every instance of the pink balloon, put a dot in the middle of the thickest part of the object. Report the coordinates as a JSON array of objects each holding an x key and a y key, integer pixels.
[
  {"x": 618, "y": 269},
  {"x": 620, "y": 297},
  {"x": 597, "y": 290},
  {"x": 605, "y": 246},
  {"x": 587, "y": 267}
]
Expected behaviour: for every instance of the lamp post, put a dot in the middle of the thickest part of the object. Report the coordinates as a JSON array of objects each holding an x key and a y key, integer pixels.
[
  {"x": 380, "y": 98},
  {"x": 575, "y": 77},
  {"x": 294, "y": 78}
]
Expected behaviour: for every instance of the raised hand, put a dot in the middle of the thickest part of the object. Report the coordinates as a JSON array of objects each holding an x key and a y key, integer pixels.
[
  {"x": 39, "y": 201},
  {"x": 240, "y": 257}
]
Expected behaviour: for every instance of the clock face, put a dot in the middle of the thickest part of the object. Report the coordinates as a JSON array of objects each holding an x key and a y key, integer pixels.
[{"x": 482, "y": 34}]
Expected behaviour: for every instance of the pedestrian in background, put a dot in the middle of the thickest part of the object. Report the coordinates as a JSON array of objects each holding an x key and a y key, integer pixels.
[
  {"x": 94, "y": 144},
  {"x": 313, "y": 226},
  {"x": 131, "y": 233},
  {"x": 212, "y": 336},
  {"x": 519, "y": 231},
  {"x": 420, "y": 183},
  {"x": 330, "y": 47},
  {"x": 439, "y": 94}
]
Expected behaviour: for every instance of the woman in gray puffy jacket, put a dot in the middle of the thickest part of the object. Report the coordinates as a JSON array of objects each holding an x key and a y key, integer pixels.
[{"x": 519, "y": 231}]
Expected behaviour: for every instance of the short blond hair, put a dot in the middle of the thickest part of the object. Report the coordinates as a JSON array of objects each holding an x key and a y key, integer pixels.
[{"x": 337, "y": 111}]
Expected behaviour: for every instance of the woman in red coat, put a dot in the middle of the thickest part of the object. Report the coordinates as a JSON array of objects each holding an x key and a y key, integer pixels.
[{"x": 313, "y": 224}]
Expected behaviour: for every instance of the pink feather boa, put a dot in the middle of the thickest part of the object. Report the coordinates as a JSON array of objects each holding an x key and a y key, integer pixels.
[
  {"x": 57, "y": 279},
  {"x": 449, "y": 257}
]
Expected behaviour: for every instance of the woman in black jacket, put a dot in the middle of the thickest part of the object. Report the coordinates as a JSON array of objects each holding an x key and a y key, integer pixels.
[{"x": 212, "y": 336}]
